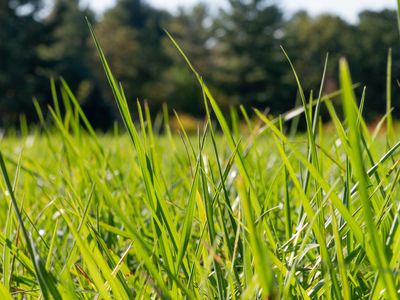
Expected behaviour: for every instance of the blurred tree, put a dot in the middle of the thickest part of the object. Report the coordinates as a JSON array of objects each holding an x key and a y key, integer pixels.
[
  {"x": 307, "y": 41},
  {"x": 249, "y": 60},
  {"x": 131, "y": 36},
  {"x": 376, "y": 33},
  {"x": 365, "y": 45},
  {"x": 192, "y": 31},
  {"x": 20, "y": 33},
  {"x": 68, "y": 55},
  {"x": 237, "y": 53},
  {"x": 68, "y": 51}
]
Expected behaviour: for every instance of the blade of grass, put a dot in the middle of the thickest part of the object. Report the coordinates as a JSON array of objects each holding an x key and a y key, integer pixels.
[
  {"x": 358, "y": 165},
  {"x": 46, "y": 281}
]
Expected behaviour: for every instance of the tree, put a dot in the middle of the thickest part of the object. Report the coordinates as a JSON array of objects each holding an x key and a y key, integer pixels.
[
  {"x": 308, "y": 40},
  {"x": 19, "y": 61},
  {"x": 179, "y": 85},
  {"x": 131, "y": 36},
  {"x": 376, "y": 33},
  {"x": 68, "y": 55},
  {"x": 249, "y": 60}
]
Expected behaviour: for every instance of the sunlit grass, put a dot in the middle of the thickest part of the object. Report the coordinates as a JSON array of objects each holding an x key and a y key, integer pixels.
[{"x": 226, "y": 213}]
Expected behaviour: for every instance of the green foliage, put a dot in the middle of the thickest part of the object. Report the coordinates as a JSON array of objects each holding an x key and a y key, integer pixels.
[
  {"x": 249, "y": 62},
  {"x": 365, "y": 45},
  {"x": 132, "y": 35},
  {"x": 377, "y": 32},
  {"x": 235, "y": 50},
  {"x": 308, "y": 52},
  {"x": 68, "y": 55},
  {"x": 177, "y": 85},
  {"x": 19, "y": 35}
]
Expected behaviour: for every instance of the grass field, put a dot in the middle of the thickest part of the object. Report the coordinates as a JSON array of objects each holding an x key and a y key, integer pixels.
[{"x": 229, "y": 213}]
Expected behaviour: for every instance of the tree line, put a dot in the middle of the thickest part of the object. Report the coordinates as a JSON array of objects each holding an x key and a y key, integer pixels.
[{"x": 237, "y": 51}]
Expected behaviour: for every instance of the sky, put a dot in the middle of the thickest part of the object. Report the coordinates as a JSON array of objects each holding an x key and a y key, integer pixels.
[{"x": 348, "y": 9}]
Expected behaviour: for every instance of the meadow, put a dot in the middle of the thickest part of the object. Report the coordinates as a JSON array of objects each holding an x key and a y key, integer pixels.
[{"x": 239, "y": 210}]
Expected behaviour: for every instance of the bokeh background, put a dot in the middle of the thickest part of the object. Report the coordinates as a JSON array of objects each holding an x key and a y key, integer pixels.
[{"x": 234, "y": 45}]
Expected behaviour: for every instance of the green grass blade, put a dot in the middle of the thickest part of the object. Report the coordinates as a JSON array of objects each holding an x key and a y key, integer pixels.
[
  {"x": 46, "y": 281},
  {"x": 358, "y": 165}
]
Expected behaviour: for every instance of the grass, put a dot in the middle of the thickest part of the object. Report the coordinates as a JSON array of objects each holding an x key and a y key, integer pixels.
[{"x": 229, "y": 213}]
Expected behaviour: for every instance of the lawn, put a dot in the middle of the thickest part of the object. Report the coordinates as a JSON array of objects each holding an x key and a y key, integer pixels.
[{"x": 240, "y": 210}]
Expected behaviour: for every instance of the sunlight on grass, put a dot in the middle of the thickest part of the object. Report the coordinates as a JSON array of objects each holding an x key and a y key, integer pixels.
[{"x": 227, "y": 213}]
